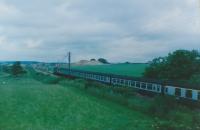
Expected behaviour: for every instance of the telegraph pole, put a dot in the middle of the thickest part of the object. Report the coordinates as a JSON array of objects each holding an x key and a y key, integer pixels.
[{"x": 69, "y": 62}]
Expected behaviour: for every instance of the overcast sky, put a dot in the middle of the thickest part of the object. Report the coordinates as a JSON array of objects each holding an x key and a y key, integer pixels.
[{"x": 119, "y": 30}]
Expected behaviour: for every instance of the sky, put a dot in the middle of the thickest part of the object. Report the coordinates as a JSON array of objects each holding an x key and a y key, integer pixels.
[{"x": 118, "y": 30}]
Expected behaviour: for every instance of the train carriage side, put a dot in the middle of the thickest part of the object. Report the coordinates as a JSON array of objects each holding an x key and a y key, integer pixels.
[
  {"x": 91, "y": 76},
  {"x": 182, "y": 92},
  {"x": 136, "y": 83}
]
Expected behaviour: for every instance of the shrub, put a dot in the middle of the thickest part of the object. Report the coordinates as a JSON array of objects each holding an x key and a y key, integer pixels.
[
  {"x": 17, "y": 69},
  {"x": 102, "y": 60}
]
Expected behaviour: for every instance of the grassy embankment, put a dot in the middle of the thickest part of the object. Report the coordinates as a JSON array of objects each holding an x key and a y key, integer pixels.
[
  {"x": 36, "y": 101},
  {"x": 40, "y": 103}
]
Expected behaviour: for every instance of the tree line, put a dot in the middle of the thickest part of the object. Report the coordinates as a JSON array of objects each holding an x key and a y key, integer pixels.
[{"x": 181, "y": 65}]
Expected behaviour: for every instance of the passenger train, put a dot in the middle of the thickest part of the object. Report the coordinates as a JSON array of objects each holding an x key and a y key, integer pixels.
[{"x": 154, "y": 86}]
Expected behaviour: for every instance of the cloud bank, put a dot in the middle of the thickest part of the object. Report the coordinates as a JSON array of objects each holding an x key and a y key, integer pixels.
[{"x": 129, "y": 30}]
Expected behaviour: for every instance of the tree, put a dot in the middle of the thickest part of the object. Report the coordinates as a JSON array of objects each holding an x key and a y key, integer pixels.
[
  {"x": 17, "y": 69},
  {"x": 102, "y": 60},
  {"x": 195, "y": 79},
  {"x": 179, "y": 65},
  {"x": 93, "y": 60},
  {"x": 156, "y": 69}
]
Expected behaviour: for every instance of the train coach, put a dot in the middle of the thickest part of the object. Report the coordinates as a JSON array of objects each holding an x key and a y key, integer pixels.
[{"x": 155, "y": 86}]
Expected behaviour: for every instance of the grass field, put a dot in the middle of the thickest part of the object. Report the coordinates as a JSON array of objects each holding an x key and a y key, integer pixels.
[
  {"x": 136, "y": 70},
  {"x": 27, "y": 104},
  {"x": 38, "y": 101}
]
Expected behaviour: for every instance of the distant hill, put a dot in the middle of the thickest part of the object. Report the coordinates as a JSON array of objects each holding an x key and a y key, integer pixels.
[{"x": 22, "y": 62}]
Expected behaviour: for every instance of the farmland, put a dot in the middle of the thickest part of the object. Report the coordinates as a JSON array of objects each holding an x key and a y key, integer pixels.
[{"x": 136, "y": 70}]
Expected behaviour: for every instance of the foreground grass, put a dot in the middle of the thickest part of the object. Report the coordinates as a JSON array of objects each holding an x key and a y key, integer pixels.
[
  {"x": 136, "y": 70},
  {"x": 26, "y": 103}
]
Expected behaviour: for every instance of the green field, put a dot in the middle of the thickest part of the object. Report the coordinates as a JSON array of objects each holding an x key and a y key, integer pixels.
[
  {"x": 136, "y": 70},
  {"x": 39, "y": 101},
  {"x": 27, "y": 104}
]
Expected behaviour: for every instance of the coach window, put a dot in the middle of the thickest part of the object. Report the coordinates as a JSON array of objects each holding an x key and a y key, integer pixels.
[
  {"x": 178, "y": 92},
  {"x": 189, "y": 93},
  {"x": 122, "y": 81},
  {"x": 132, "y": 83},
  {"x": 126, "y": 82},
  {"x": 138, "y": 84},
  {"x": 117, "y": 81},
  {"x": 149, "y": 86},
  {"x": 104, "y": 78},
  {"x": 144, "y": 85},
  {"x": 114, "y": 80}
]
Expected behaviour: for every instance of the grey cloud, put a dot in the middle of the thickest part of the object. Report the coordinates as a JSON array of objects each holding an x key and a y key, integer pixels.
[{"x": 118, "y": 30}]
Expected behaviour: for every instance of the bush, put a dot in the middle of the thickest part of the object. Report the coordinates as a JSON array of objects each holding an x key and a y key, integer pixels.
[
  {"x": 17, "y": 69},
  {"x": 102, "y": 60}
]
